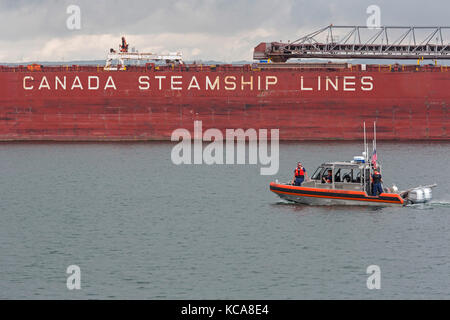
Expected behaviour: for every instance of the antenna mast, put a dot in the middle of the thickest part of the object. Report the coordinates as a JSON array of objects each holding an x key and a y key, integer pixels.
[
  {"x": 365, "y": 158},
  {"x": 374, "y": 146},
  {"x": 365, "y": 144}
]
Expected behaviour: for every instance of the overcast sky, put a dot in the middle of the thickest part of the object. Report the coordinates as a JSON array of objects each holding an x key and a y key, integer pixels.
[{"x": 225, "y": 30}]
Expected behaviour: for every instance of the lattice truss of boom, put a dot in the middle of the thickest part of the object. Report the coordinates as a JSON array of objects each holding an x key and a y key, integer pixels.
[{"x": 387, "y": 42}]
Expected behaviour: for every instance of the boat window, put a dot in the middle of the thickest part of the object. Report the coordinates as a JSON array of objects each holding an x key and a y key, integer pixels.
[
  {"x": 337, "y": 175},
  {"x": 358, "y": 177},
  {"x": 317, "y": 174},
  {"x": 346, "y": 175},
  {"x": 325, "y": 173}
]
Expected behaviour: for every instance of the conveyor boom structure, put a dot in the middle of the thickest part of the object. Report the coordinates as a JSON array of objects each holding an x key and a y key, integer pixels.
[{"x": 361, "y": 42}]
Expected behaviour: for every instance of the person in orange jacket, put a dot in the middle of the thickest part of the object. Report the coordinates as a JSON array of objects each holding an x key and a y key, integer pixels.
[{"x": 299, "y": 175}]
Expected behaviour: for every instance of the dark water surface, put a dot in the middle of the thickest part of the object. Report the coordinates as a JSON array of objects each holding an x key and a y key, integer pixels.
[{"x": 140, "y": 227}]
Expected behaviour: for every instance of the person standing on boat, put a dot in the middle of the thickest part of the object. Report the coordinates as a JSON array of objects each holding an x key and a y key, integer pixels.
[
  {"x": 299, "y": 175},
  {"x": 376, "y": 180}
]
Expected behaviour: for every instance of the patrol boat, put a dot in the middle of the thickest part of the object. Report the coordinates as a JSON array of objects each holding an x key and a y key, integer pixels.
[{"x": 350, "y": 185}]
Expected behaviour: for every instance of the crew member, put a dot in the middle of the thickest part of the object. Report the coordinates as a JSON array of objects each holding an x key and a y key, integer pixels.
[
  {"x": 376, "y": 182},
  {"x": 328, "y": 178},
  {"x": 299, "y": 175}
]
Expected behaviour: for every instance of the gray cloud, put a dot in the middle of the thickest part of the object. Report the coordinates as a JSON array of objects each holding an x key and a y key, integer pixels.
[{"x": 28, "y": 26}]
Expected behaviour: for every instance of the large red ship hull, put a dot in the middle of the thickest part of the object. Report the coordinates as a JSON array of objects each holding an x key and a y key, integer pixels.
[{"x": 89, "y": 104}]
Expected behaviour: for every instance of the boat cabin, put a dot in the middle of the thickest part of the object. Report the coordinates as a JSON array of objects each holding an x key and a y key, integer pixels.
[{"x": 344, "y": 175}]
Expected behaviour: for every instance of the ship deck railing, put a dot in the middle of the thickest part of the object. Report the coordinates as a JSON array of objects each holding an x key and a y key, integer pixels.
[{"x": 287, "y": 67}]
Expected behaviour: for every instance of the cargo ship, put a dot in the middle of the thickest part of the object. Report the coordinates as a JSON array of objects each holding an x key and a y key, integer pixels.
[{"x": 304, "y": 100}]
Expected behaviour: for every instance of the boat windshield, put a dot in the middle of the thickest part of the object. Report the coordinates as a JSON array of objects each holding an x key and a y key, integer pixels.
[
  {"x": 317, "y": 174},
  {"x": 348, "y": 175}
]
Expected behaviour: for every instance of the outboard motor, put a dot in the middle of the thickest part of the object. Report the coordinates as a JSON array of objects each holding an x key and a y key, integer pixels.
[{"x": 420, "y": 195}]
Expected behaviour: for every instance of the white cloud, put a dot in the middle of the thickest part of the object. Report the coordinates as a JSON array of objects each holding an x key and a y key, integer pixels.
[
  {"x": 93, "y": 47},
  {"x": 203, "y": 29}
]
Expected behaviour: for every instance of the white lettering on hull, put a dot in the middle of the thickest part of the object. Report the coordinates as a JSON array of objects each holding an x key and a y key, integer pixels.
[
  {"x": 144, "y": 83},
  {"x": 77, "y": 84},
  {"x": 60, "y": 83},
  {"x": 346, "y": 83},
  {"x": 212, "y": 86},
  {"x": 367, "y": 83},
  {"x": 24, "y": 83},
  {"x": 302, "y": 87},
  {"x": 92, "y": 86},
  {"x": 44, "y": 83},
  {"x": 110, "y": 84},
  {"x": 174, "y": 83},
  {"x": 349, "y": 84},
  {"x": 193, "y": 84}
]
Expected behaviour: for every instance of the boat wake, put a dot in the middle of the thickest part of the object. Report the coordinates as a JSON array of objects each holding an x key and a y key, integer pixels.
[
  {"x": 417, "y": 206},
  {"x": 340, "y": 207},
  {"x": 430, "y": 205}
]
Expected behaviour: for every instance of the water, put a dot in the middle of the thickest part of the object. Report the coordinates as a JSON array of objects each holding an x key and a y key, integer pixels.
[{"x": 140, "y": 227}]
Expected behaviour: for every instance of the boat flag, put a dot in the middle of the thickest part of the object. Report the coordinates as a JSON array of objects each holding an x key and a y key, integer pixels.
[{"x": 374, "y": 158}]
